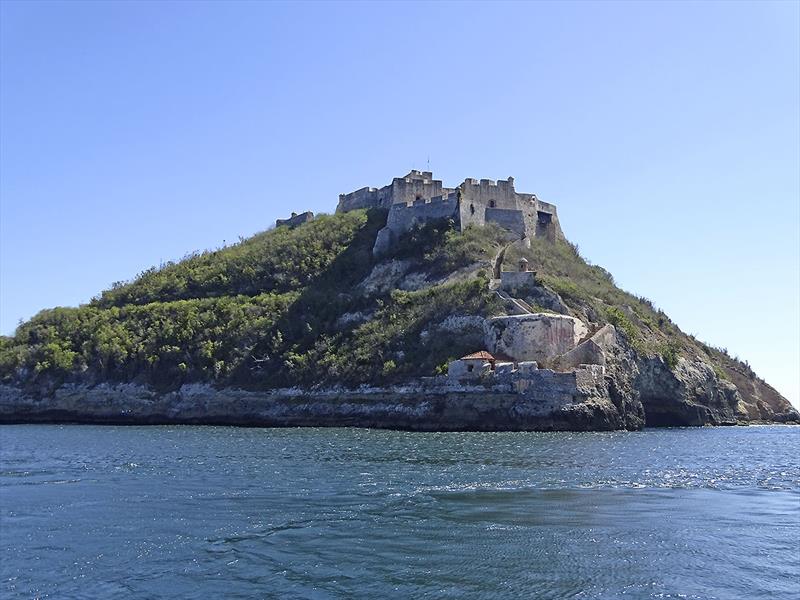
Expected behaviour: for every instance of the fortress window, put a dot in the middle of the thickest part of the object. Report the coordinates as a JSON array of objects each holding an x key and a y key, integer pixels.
[
  {"x": 419, "y": 197},
  {"x": 472, "y": 209},
  {"x": 491, "y": 203}
]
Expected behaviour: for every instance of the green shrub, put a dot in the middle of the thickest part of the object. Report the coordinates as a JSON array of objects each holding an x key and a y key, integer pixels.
[
  {"x": 669, "y": 353},
  {"x": 619, "y": 320},
  {"x": 278, "y": 261},
  {"x": 201, "y": 339}
]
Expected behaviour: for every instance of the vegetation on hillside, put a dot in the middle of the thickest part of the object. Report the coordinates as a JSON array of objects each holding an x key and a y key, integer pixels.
[
  {"x": 159, "y": 343},
  {"x": 276, "y": 261},
  {"x": 591, "y": 293},
  {"x": 266, "y": 312},
  {"x": 285, "y": 308}
]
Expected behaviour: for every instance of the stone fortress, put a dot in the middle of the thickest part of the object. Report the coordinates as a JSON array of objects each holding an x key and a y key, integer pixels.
[
  {"x": 418, "y": 198},
  {"x": 524, "y": 341}
]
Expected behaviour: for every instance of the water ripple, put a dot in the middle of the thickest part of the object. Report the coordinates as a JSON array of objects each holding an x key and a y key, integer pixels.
[{"x": 174, "y": 512}]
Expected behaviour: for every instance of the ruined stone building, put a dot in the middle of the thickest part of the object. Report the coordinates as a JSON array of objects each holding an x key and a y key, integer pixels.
[
  {"x": 296, "y": 220},
  {"x": 418, "y": 198}
]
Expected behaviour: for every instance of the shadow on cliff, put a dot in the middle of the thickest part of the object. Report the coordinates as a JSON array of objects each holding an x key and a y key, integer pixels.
[{"x": 315, "y": 312}]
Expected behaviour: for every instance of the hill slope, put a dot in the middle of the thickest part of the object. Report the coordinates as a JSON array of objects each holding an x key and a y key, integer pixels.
[{"x": 310, "y": 306}]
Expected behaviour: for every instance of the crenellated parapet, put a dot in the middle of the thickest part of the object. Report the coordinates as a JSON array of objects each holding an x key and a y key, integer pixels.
[
  {"x": 416, "y": 185},
  {"x": 418, "y": 198}
]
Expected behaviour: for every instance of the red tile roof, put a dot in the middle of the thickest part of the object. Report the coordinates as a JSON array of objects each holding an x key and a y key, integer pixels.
[{"x": 482, "y": 355}]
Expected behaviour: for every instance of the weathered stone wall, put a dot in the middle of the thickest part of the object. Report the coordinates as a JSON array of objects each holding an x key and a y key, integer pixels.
[
  {"x": 415, "y": 185},
  {"x": 511, "y": 281},
  {"x": 462, "y": 369},
  {"x": 477, "y": 203},
  {"x": 513, "y": 220},
  {"x": 544, "y": 221},
  {"x": 408, "y": 189},
  {"x": 540, "y": 337},
  {"x": 366, "y": 197},
  {"x": 477, "y": 196},
  {"x": 487, "y": 201},
  {"x": 296, "y": 219},
  {"x": 403, "y": 216}
]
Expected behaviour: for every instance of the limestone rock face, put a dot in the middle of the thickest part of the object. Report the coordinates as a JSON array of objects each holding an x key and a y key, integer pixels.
[
  {"x": 555, "y": 402},
  {"x": 646, "y": 391},
  {"x": 619, "y": 362},
  {"x": 540, "y": 337},
  {"x": 546, "y": 298},
  {"x": 689, "y": 394},
  {"x": 385, "y": 276}
]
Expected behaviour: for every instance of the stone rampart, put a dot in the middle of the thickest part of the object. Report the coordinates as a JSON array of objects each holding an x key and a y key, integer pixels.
[
  {"x": 513, "y": 220},
  {"x": 296, "y": 219},
  {"x": 416, "y": 185},
  {"x": 403, "y": 216},
  {"x": 366, "y": 197}
]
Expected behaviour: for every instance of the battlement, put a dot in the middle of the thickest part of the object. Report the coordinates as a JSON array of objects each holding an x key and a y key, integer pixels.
[
  {"x": 500, "y": 183},
  {"x": 414, "y": 186},
  {"x": 414, "y": 174},
  {"x": 417, "y": 198}
]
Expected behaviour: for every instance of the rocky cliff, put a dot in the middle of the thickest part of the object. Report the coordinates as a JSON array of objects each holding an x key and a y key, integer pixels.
[{"x": 560, "y": 402}]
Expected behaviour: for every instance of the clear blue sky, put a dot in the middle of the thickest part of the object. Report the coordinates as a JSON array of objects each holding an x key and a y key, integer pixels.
[{"x": 667, "y": 134}]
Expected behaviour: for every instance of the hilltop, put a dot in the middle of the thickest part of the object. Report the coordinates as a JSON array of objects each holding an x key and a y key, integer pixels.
[{"x": 313, "y": 307}]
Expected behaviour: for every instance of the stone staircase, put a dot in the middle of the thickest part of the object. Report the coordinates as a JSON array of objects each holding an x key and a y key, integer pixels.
[{"x": 514, "y": 306}]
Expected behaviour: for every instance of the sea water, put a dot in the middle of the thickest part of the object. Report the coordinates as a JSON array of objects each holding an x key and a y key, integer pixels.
[{"x": 221, "y": 512}]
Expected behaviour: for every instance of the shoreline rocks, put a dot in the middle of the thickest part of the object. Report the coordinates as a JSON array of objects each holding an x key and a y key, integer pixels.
[{"x": 563, "y": 403}]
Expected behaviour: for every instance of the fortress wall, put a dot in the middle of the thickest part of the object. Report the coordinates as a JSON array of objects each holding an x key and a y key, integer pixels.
[
  {"x": 478, "y": 196},
  {"x": 385, "y": 198},
  {"x": 485, "y": 191},
  {"x": 530, "y": 215},
  {"x": 480, "y": 201},
  {"x": 513, "y": 220},
  {"x": 405, "y": 190},
  {"x": 364, "y": 198},
  {"x": 404, "y": 216},
  {"x": 545, "y": 224},
  {"x": 546, "y": 206},
  {"x": 296, "y": 219}
]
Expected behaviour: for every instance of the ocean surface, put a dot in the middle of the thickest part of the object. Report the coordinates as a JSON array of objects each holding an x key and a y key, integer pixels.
[{"x": 221, "y": 512}]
